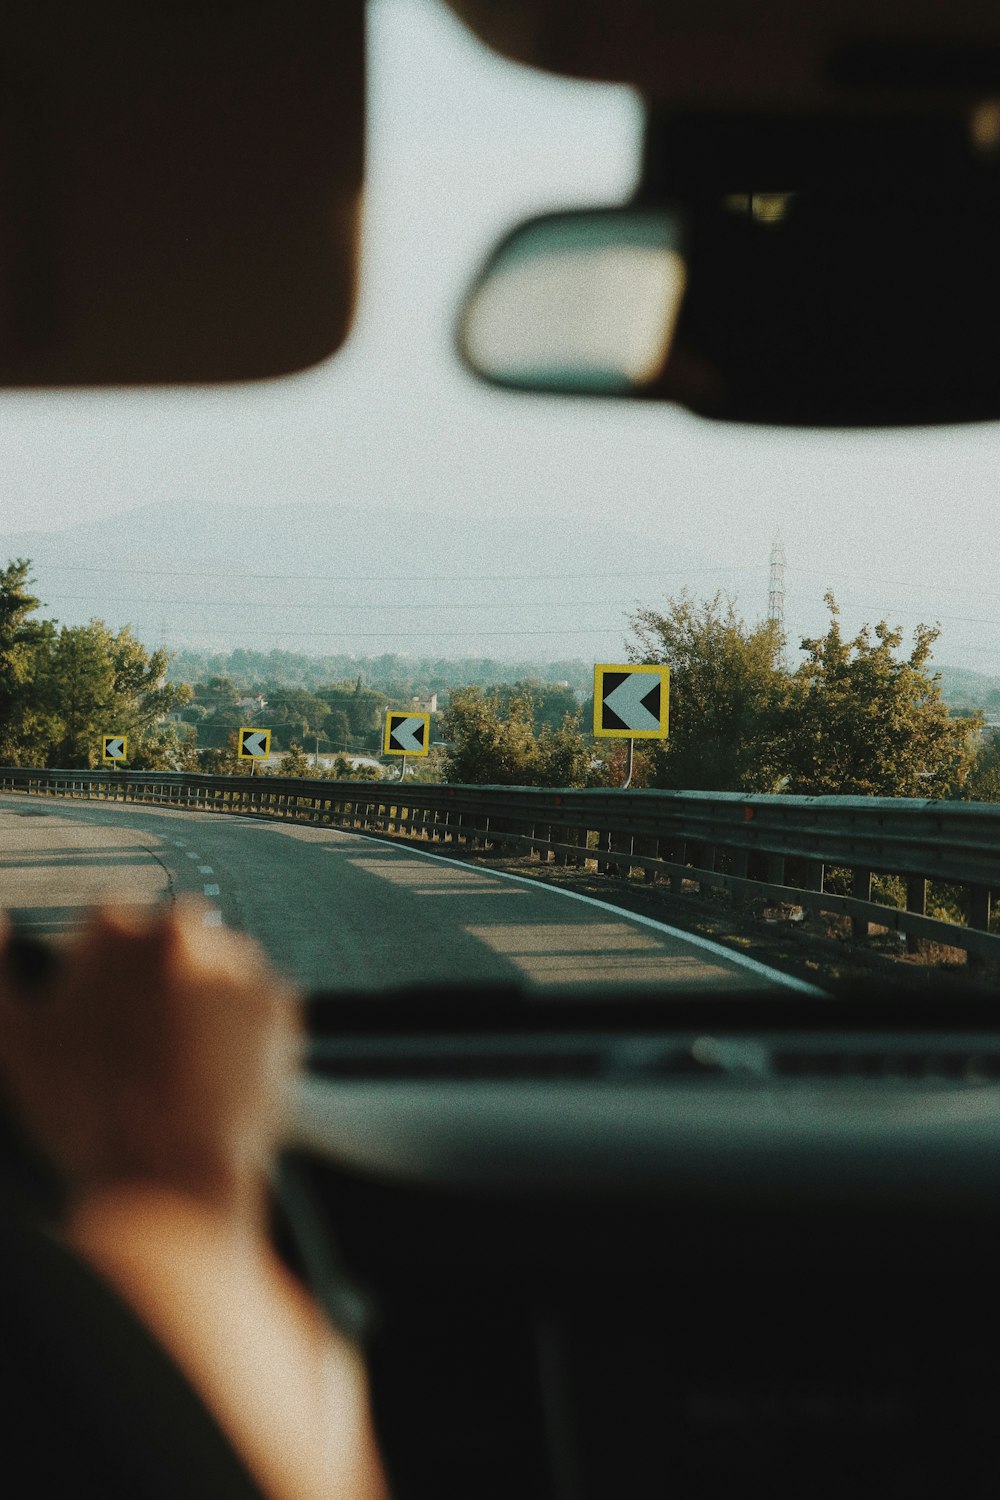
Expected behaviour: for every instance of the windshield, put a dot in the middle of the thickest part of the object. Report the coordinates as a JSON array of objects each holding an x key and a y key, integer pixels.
[{"x": 392, "y": 585}]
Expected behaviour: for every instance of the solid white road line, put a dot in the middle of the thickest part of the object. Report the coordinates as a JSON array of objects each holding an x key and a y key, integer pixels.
[{"x": 718, "y": 950}]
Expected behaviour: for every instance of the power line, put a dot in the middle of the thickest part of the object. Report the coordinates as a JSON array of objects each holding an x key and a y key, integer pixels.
[
  {"x": 382, "y": 635},
  {"x": 386, "y": 577},
  {"x": 397, "y": 578},
  {"x": 369, "y": 609}
]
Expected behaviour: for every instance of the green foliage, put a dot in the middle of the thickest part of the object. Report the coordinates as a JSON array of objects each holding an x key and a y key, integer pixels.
[
  {"x": 356, "y": 711},
  {"x": 855, "y": 718},
  {"x": 562, "y": 755},
  {"x": 487, "y": 745},
  {"x": 609, "y": 766},
  {"x": 224, "y": 760},
  {"x": 863, "y": 722},
  {"x": 983, "y": 781},
  {"x": 551, "y": 702},
  {"x": 62, "y": 689},
  {"x": 345, "y": 770},
  {"x": 295, "y": 762},
  {"x": 338, "y": 729},
  {"x": 92, "y": 682},
  {"x": 428, "y": 770},
  {"x": 729, "y": 693},
  {"x": 389, "y": 677},
  {"x": 491, "y": 740},
  {"x": 294, "y": 713},
  {"x": 26, "y": 725},
  {"x": 164, "y": 747}
]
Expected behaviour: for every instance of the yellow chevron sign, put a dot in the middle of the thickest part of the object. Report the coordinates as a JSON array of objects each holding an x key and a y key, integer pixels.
[
  {"x": 406, "y": 734},
  {"x": 631, "y": 702},
  {"x": 254, "y": 744}
]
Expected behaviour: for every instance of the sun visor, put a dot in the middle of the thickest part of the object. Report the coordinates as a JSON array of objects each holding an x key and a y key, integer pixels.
[{"x": 179, "y": 188}]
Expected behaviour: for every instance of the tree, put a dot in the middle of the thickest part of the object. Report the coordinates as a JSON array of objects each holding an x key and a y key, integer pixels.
[
  {"x": 92, "y": 682},
  {"x": 563, "y": 756},
  {"x": 338, "y": 729},
  {"x": 344, "y": 770},
  {"x": 983, "y": 782},
  {"x": 164, "y": 747},
  {"x": 864, "y": 722},
  {"x": 224, "y": 760},
  {"x": 489, "y": 746},
  {"x": 295, "y": 762},
  {"x": 61, "y": 689},
  {"x": 361, "y": 708},
  {"x": 491, "y": 741},
  {"x": 551, "y": 702},
  {"x": 729, "y": 691},
  {"x": 299, "y": 714},
  {"x": 26, "y": 727},
  {"x": 218, "y": 694}
]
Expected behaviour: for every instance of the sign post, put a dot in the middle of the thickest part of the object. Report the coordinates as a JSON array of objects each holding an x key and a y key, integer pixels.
[
  {"x": 631, "y": 702},
  {"x": 406, "y": 734}
]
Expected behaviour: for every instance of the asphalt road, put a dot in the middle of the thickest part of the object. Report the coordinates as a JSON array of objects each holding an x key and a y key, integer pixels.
[{"x": 337, "y": 910}]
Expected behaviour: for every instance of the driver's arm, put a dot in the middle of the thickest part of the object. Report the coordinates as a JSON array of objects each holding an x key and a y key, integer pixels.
[{"x": 153, "y": 1072}]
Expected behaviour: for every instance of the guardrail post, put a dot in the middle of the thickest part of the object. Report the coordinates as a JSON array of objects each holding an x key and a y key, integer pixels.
[
  {"x": 650, "y": 848},
  {"x": 916, "y": 901},
  {"x": 980, "y": 901},
  {"x": 741, "y": 869},
  {"x": 861, "y": 888},
  {"x": 675, "y": 852},
  {"x": 617, "y": 843}
]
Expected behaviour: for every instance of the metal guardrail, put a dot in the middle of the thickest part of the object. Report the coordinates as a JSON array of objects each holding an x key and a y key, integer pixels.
[{"x": 780, "y": 847}]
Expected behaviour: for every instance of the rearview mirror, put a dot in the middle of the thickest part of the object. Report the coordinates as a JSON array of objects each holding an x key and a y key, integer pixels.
[
  {"x": 789, "y": 271},
  {"x": 578, "y": 302}
]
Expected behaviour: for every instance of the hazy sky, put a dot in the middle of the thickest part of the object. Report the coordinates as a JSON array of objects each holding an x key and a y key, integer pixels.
[{"x": 461, "y": 146}]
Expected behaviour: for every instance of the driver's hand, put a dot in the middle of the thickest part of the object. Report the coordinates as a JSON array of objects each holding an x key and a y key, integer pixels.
[
  {"x": 159, "y": 1051},
  {"x": 152, "y": 1068}
]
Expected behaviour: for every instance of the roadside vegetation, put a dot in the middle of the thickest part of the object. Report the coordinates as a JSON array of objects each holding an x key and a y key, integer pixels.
[{"x": 858, "y": 715}]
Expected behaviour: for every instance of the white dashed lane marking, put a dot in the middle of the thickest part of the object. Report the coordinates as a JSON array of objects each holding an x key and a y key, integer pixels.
[
  {"x": 212, "y": 918},
  {"x": 180, "y": 843},
  {"x": 193, "y": 856},
  {"x": 211, "y": 890},
  {"x": 205, "y": 870}
]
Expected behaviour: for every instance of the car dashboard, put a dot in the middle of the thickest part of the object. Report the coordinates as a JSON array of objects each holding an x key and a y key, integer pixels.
[{"x": 662, "y": 1249}]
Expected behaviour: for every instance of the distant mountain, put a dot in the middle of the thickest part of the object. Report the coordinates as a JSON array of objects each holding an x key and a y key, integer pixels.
[{"x": 331, "y": 580}]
